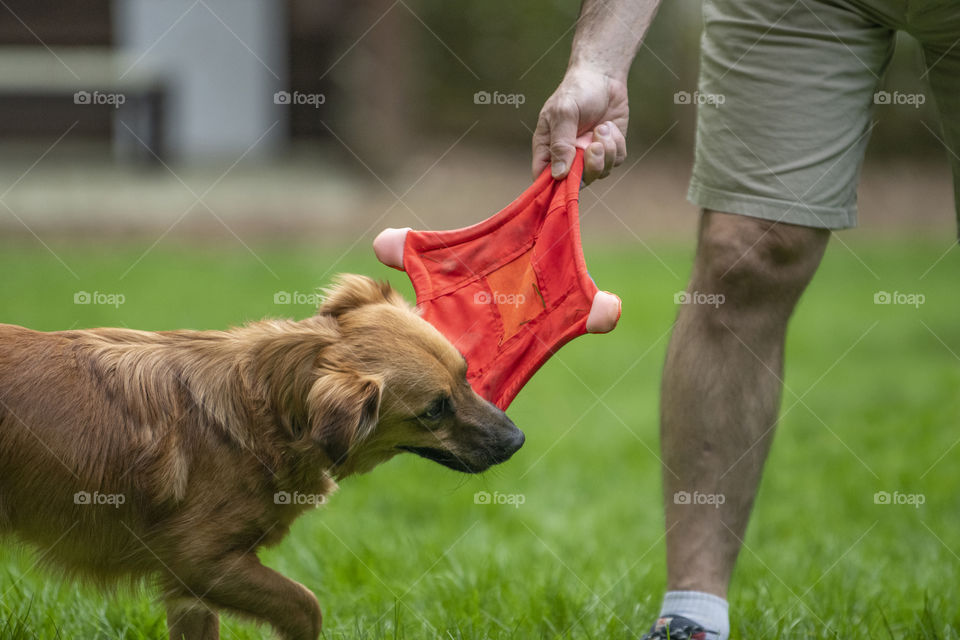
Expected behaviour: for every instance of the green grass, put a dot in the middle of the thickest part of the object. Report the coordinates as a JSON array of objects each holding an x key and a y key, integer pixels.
[{"x": 404, "y": 552}]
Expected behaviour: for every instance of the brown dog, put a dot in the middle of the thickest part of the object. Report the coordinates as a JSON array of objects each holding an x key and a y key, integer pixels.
[{"x": 177, "y": 454}]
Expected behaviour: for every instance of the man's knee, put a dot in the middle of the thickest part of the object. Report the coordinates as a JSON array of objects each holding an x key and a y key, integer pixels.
[{"x": 756, "y": 263}]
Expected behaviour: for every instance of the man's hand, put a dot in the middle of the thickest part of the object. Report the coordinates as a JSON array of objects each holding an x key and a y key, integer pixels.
[
  {"x": 591, "y": 102},
  {"x": 586, "y": 102}
]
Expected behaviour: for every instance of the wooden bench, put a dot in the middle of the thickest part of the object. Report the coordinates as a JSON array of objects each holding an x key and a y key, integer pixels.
[{"x": 92, "y": 76}]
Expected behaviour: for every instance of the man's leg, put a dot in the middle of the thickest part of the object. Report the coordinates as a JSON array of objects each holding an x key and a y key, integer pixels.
[
  {"x": 721, "y": 387},
  {"x": 780, "y": 145}
]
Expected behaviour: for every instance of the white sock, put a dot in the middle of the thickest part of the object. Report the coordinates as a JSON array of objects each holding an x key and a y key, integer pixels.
[{"x": 706, "y": 609}]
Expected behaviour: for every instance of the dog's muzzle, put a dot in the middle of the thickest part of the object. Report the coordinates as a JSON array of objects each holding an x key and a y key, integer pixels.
[{"x": 487, "y": 454}]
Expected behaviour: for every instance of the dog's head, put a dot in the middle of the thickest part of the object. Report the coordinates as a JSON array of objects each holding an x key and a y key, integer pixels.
[{"x": 390, "y": 382}]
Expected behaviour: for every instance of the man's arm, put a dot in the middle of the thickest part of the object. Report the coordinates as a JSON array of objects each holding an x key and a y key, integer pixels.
[{"x": 591, "y": 101}]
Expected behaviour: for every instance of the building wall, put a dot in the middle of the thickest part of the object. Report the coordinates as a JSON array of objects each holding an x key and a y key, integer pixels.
[{"x": 222, "y": 60}]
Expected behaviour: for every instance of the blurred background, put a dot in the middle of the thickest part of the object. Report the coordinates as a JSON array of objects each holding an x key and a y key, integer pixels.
[
  {"x": 279, "y": 117},
  {"x": 201, "y": 163}
]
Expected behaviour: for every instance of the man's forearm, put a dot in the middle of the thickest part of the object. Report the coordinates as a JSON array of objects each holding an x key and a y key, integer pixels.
[{"x": 609, "y": 32}]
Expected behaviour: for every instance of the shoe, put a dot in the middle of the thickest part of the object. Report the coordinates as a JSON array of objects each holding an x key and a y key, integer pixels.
[{"x": 675, "y": 628}]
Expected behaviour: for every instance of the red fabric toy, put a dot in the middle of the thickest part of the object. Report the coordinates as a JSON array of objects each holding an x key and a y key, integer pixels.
[{"x": 508, "y": 292}]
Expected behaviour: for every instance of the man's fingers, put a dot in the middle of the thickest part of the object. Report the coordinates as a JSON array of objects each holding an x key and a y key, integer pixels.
[
  {"x": 555, "y": 142},
  {"x": 563, "y": 117},
  {"x": 604, "y": 135},
  {"x": 541, "y": 145},
  {"x": 593, "y": 161},
  {"x": 561, "y": 157},
  {"x": 602, "y": 154},
  {"x": 620, "y": 142}
]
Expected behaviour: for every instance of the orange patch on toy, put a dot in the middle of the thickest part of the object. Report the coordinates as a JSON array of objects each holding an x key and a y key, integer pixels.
[{"x": 513, "y": 288}]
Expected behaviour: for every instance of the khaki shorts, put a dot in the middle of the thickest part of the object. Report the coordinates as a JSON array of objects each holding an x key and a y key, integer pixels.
[{"x": 787, "y": 88}]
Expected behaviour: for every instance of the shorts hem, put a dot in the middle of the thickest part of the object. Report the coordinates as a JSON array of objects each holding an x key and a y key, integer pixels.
[{"x": 790, "y": 212}]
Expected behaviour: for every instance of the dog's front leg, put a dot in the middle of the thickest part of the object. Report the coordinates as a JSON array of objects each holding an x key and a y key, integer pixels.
[
  {"x": 242, "y": 584},
  {"x": 190, "y": 619}
]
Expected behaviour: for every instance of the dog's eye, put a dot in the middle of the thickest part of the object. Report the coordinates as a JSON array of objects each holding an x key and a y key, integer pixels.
[{"x": 437, "y": 409}]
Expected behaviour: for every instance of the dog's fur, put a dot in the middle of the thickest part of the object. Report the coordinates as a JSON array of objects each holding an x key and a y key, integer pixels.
[{"x": 187, "y": 441}]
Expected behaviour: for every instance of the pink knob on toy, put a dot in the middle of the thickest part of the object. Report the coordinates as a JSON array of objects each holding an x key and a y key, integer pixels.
[
  {"x": 604, "y": 313},
  {"x": 388, "y": 246}
]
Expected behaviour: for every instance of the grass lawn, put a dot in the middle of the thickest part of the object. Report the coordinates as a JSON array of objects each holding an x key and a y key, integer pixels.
[{"x": 405, "y": 552}]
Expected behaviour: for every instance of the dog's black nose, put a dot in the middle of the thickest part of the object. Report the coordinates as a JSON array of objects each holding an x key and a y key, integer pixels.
[{"x": 516, "y": 442}]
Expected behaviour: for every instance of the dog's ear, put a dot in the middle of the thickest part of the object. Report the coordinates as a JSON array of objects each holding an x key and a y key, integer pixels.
[
  {"x": 343, "y": 408},
  {"x": 352, "y": 291}
]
